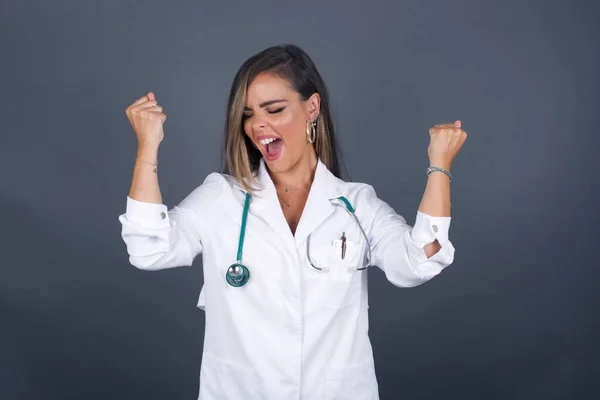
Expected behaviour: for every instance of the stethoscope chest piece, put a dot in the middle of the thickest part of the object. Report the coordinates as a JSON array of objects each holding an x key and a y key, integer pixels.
[{"x": 237, "y": 275}]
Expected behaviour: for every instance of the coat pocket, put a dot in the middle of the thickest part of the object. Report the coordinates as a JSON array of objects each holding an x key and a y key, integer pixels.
[
  {"x": 336, "y": 294},
  {"x": 353, "y": 382},
  {"x": 341, "y": 286},
  {"x": 223, "y": 380}
]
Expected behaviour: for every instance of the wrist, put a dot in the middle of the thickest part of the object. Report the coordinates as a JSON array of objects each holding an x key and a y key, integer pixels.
[
  {"x": 439, "y": 170},
  {"x": 147, "y": 148},
  {"x": 148, "y": 152},
  {"x": 440, "y": 164}
]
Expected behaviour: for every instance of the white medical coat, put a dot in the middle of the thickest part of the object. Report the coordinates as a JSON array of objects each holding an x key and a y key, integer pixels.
[{"x": 291, "y": 332}]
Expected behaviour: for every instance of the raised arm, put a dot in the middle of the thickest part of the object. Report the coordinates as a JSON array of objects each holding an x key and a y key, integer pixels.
[
  {"x": 413, "y": 255},
  {"x": 146, "y": 118},
  {"x": 445, "y": 142},
  {"x": 157, "y": 238}
]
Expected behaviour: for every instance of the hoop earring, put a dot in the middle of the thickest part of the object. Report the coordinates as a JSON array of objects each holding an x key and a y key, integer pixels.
[{"x": 311, "y": 131}]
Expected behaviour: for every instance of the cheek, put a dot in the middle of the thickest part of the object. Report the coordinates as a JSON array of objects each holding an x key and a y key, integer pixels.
[
  {"x": 288, "y": 126},
  {"x": 247, "y": 127}
]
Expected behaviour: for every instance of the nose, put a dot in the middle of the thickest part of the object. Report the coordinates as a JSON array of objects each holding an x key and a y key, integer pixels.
[{"x": 258, "y": 124}]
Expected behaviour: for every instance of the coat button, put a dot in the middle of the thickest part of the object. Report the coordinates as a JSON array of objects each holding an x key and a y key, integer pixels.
[
  {"x": 435, "y": 228},
  {"x": 163, "y": 215}
]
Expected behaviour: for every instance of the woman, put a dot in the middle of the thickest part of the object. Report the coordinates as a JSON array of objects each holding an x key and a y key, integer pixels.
[{"x": 285, "y": 242}]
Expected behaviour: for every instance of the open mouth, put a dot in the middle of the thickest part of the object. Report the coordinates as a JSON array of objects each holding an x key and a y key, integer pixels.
[{"x": 272, "y": 147}]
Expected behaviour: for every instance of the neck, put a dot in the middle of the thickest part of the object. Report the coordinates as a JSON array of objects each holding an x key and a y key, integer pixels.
[{"x": 300, "y": 175}]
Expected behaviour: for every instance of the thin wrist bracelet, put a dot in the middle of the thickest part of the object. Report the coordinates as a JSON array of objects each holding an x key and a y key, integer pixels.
[
  {"x": 146, "y": 162},
  {"x": 434, "y": 169}
]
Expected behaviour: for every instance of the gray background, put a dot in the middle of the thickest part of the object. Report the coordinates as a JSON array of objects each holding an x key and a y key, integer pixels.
[{"x": 515, "y": 316}]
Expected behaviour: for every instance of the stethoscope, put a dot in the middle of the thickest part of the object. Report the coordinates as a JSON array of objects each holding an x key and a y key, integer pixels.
[{"x": 238, "y": 274}]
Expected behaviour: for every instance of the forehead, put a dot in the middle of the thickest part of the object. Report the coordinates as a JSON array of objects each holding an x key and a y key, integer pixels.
[{"x": 266, "y": 87}]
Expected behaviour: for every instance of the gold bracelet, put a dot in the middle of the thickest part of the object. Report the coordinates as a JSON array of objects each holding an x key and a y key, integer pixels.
[{"x": 154, "y": 165}]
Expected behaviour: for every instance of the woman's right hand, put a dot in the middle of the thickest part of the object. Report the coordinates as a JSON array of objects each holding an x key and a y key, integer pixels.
[{"x": 146, "y": 118}]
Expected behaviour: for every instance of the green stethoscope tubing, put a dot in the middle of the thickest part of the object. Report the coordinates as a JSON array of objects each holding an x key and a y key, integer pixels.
[{"x": 238, "y": 275}]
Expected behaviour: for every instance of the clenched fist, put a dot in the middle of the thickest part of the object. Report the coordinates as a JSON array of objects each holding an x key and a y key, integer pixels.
[
  {"x": 146, "y": 118},
  {"x": 445, "y": 142}
]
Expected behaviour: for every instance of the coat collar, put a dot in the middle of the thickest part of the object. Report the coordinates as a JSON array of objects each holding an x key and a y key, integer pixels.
[{"x": 265, "y": 204}]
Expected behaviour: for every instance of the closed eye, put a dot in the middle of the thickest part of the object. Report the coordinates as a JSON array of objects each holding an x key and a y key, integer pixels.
[
  {"x": 276, "y": 111},
  {"x": 246, "y": 116}
]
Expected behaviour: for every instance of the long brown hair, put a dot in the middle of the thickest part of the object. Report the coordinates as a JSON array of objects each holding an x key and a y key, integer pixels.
[{"x": 288, "y": 62}]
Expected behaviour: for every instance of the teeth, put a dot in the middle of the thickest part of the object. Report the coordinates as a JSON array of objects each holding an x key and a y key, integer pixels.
[{"x": 264, "y": 142}]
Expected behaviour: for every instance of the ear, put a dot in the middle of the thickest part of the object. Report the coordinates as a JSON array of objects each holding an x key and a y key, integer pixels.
[{"x": 313, "y": 106}]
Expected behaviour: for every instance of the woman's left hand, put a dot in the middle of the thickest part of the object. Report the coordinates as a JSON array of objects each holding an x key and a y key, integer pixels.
[{"x": 444, "y": 143}]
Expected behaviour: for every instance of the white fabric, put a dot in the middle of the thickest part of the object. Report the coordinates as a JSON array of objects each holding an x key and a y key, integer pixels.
[{"x": 291, "y": 332}]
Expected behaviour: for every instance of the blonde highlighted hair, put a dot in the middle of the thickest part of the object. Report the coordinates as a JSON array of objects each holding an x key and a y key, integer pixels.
[{"x": 241, "y": 158}]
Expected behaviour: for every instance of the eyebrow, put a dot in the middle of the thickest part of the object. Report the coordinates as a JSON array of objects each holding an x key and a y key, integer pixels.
[{"x": 266, "y": 103}]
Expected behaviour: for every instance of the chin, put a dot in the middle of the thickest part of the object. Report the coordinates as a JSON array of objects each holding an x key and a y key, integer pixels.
[
  {"x": 286, "y": 161},
  {"x": 279, "y": 165}
]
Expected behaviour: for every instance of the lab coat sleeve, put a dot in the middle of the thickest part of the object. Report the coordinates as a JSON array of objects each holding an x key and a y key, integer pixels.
[
  {"x": 158, "y": 238},
  {"x": 398, "y": 249}
]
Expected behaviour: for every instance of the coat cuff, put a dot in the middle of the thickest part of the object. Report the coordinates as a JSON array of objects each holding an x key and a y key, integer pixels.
[
  {"x": 426, "y": 230},
  {"x": 147, "y": 215}
]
